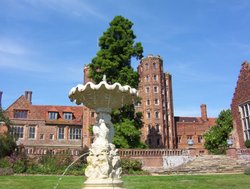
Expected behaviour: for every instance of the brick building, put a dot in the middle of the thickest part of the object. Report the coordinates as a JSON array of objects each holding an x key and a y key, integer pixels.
[
  {"x": 43, "y": 127},
  {"x": 155, "y": 90},
  {"x": 193, "y": 128},
  {"x": 161, "y": 129},
  {"x": 241, "y": 107}
]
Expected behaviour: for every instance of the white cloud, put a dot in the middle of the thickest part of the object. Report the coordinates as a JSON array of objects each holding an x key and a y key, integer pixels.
[
  {"x": 12, "y": 47},
  {"x": 17, "y": 56},
  {"x": 76, "y": 8}
]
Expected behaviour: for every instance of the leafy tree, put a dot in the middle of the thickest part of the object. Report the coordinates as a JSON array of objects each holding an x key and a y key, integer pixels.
[
  {"x": 117, "y": 48},
  {"x": 216, "y": 137},
  {"x": 7, "y": 142}
]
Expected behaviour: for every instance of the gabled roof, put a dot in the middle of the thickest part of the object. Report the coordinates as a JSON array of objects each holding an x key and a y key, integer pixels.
[
  {"x": 209, "y": 121},
  {"x": 41, "y": 112}
]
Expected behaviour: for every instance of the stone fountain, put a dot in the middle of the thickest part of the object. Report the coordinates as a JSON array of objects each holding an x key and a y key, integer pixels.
[{"x": 104, "y": 168}]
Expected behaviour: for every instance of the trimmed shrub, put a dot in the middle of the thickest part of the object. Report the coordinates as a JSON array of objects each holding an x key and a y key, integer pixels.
[
  {"x": 247, "y": 171},
  {"x": 131, "y": 166},
  {"x": 247, "y": 143}
]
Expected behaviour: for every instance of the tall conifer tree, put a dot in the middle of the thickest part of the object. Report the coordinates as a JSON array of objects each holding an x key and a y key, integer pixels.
[{"x": 117, "y": 48}]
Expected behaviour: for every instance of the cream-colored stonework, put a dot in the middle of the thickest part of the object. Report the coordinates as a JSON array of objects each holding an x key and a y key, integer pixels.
[{"x": 104, "y": 167}]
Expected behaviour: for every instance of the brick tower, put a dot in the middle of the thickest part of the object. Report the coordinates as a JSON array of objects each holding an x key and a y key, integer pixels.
[{"x": 155, "y": 90}]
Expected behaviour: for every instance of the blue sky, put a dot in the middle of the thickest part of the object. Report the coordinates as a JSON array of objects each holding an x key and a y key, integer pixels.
[{"x": 44, "y": 45}]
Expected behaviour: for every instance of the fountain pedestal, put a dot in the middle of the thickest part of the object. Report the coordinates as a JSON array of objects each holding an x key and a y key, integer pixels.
[
  {"x": 103, "y": 170},
  {"x": 104, "y": 164}
]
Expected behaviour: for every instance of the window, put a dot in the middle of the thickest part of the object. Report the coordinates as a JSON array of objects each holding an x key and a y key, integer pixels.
[
  {"x": 149, "y": 129},
  {"x": 148, "y": 102},
  {"x": 178, "y": 139},
  {"x": 149, "y": 141},
  {"x": 17, "y": 131},
  {"x": 68, "y": 115},
  {"x": 92, "y": 114},
  {"x": 189, "y": 137},
  {"x": 158, "y": 142},
  {"x": 75, "y": 133},
  {"x": 157, "y": 128},
  {"x": 20, "y": 113},
  {"x": 155, "y": 77},
  {"x": 61, "y": 133},
  {"x": 53, "y": 115},
  {"x": 200, "y": 139},
  {"x": 157, "y": 115},
  {"x": 147, "y": 78},
  {"x": 154, "y": 65},
  {"x": 156, "y": 101},
  {"x": 245, "y": 118},
  {"x": 41, "y": 136},
  {"x": 32, "y": 132},
  {"x": 148, "y": 115},
  {"x": 147, "y": 89},
  {"x": 51, "y": 136},
  {"x": 156, "y": 89},
  {"x": 146, "y": 65}
]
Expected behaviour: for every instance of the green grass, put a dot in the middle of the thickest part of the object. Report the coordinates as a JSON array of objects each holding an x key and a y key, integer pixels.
[{"x": 132, "y": 182}]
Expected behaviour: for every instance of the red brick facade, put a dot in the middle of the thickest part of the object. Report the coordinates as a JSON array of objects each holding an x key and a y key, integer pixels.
[
  {"x": 156, "y": 105},
  {"x": 193, "y": 128},
  {"x": 46, "y": 126},
  {"x": 53, "y": 127},
  {"x": 241, "y": 98}
]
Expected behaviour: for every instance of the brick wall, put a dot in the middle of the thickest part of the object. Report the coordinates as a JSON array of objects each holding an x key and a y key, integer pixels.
[{"x": 240, "y": 96}]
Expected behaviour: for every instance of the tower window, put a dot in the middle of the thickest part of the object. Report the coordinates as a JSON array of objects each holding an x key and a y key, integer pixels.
[
  {"x": 148, "y": 102},
  {"x": 156, "y": 89},
  {"x": 157, "y": 115},
  {"x": 156, "y": 101},
  {"x": 157, "y": 128},
  {"x": 148, "y": 115},
  {"x": 155, "y": 78},
  {"x": 154, "y": 65}
]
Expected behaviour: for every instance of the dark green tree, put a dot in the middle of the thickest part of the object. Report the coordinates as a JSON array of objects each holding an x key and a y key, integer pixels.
[
  {"x": 117, "y": 48},
  {"x": 216, "y": 137},
  {"x": 7, "y": 142}
]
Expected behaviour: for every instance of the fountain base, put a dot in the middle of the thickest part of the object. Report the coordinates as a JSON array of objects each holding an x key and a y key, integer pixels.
[{"x": 103, "y": 184}]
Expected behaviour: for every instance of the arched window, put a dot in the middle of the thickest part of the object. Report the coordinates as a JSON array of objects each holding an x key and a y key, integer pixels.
[
  {"x": 148, "y": 102},
  {"x": 157, "y": 128},
  {"x": 154, "y": 65},
  {"x": 146, "y": 65},
  {"x": 156, "y": 101},
  {"x": 149, "y": 129},
  {"x": 148, "y": 115},
  {"x": 157, "y": 115}
]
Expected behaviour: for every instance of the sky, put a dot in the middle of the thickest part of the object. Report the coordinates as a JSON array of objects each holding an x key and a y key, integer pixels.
[{"x": 44, "y": 45}]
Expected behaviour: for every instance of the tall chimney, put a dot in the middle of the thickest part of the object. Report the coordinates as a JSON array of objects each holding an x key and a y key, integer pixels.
[
  {"x": 28, "y": 96},
  {"x": 1, "y": 94},
  {"x": 204, "y": 112}
]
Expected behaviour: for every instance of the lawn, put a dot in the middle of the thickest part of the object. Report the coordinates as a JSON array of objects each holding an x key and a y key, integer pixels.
[{"x": 132, "y": 182}]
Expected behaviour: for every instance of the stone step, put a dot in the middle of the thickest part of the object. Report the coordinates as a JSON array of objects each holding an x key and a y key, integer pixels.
[{"x": 211, "y": 164}]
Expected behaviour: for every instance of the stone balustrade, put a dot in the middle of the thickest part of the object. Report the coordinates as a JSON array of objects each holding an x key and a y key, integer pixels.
[
  {"x": 243, "y": 151},
  {"x": 150, "y": 152}
]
